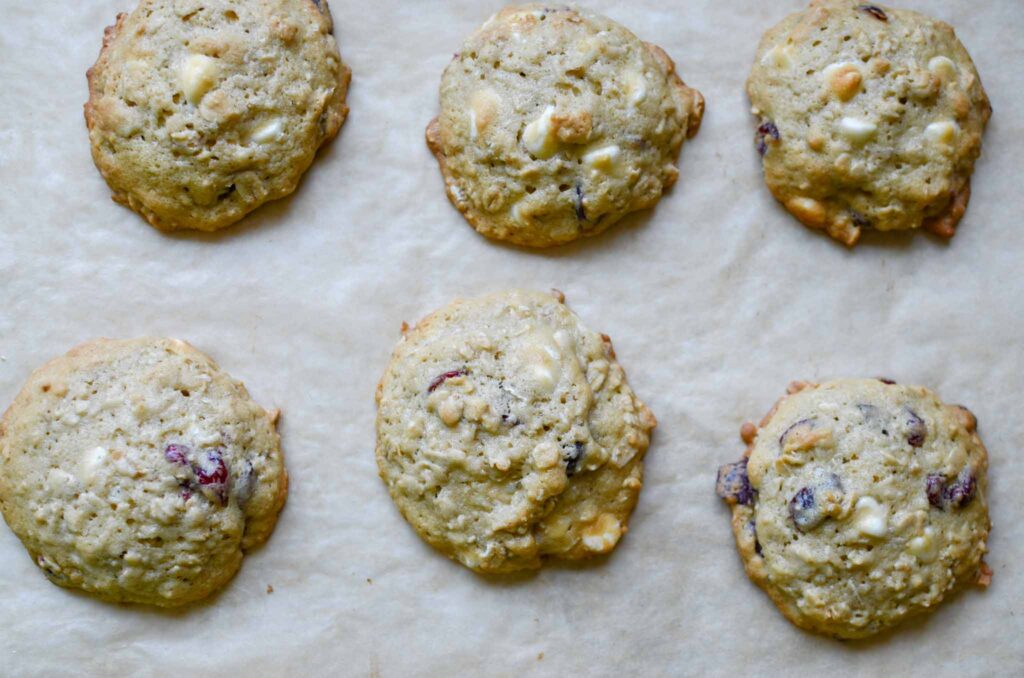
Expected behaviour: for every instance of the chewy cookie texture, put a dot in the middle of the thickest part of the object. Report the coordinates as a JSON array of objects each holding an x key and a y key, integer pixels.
[
  {"x": 869, "y": 117},
  {"x": 138, "y": 471},
  {"x": 860, "y": 503},
  {"x": 556, "y": 122},
  {"x": 200, "y": 111},
  {"x": 507, "y": 434}
]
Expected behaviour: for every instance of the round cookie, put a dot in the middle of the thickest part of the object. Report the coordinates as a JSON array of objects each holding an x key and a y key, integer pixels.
[
  {"x": 200, "y": 111},
  {"x": 507, "y": 434},
  {"x": 870, "y": 117},
  {"x": 556, "y": 122},
  {"x": 138, "y": 471},
  {"x": 860, "y": 503}
]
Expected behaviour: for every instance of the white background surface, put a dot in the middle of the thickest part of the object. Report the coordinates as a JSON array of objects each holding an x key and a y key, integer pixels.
[{"x": 715, "y": 301}]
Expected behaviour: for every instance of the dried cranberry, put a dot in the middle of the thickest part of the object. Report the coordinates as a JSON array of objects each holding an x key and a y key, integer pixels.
[
  {"x": 441, "y": 378},
  {"x": 572, "y": 458},
  {"x": 874, "y": 11},
  {"x": 962, "y": 490},
  {"x": 801, "y": 509},
  {"x": 245, "y": 483},
  {"x": 581, "y": 211},
  {"x": 935, "y": 488},
  {"x": 957, "y": 493},
  {"x": 886, "y": 381},
  {"x": 177, "y": 454},
  {"x": 809, "y": 423},
  {"x": 917, "y": 430},
  {"x": 211, "y": 468},
  {"x": 752, "y": 527},
  {"x": 733, "y": 484},
  {"x": 767, "y": 129}
]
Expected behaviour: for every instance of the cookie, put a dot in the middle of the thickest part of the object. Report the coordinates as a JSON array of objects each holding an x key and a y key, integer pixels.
[
  {"x": 860, "y": 503},
  {"x": 138, "y": 471},
  {"x": 556, "y": 122},
  {"x": 200, "y": 111},
  {"x": 869, "y": 117},
  {"x": 507, "y": 434}
]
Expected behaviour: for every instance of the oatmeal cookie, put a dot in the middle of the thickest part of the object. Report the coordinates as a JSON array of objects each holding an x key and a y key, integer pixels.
[
  {"x": 860, "y": 503},
  {"x": 507, "y": 434}
]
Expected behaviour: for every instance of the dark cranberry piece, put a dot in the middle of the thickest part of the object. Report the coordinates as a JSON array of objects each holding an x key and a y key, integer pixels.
[
  {"x": 177, "y": 454},
  {"x": 733, "y": 484},
  {"x": 767, "y": 129},
  {"x": 572, "y": 458},
  {"x": 935, "y": 488},
  {"x": 581, "y": 211},
  {"x": 917, "y": 430},
  {"x": 801, "y": 508},
  {"x": 961, "y": 491},
  {"x": 441, "y": 378},
  {"x": 809, "y": 423},
  {"x": 957, "y": 493},
  {"x": 874, "y": 11},
  {"x": 245, "y": 484},
  {"x": 884, "y": 380},
  {"x": 752, "y": 528}
]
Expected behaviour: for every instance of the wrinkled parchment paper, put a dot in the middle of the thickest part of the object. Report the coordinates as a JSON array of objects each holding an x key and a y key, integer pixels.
[{"x": 715, "y": 300}]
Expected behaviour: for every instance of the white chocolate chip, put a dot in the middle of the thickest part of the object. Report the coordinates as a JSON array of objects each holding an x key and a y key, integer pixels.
[
  {"x": 870, "y": 517},
  {"x": 637, "y": 88},
  {"x": 942, "y": 67},
  {"x": 924, "y": 546},
  {"x": 856, "y": 130},
  {"x": 539, "y": 136},
  {"x": 602, "y": 158},
  {"x": 92, "y": 462},
  {"x": 943, "y": 132},
  {"x": 268, "y": 131},
  {"x": 603, "y": 534},
  {"x": 197, "y": 76},
  {"x": 778, "y": 56},
  {"x": 484, "y": 106}
]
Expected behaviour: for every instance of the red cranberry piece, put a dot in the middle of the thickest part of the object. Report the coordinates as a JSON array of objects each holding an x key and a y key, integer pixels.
[
  {"x": 917, "y": 430},
  {"x": 766, "y": 131},
  {"x": 441, "y": 378},
  {"x": 733, "y": 484},
  {"x": 177, "y": 454},
  {"x": 885, "y": 380},
  {"x": 211, "y": 469},
  {"x": 874, "y": 11},
  {"x": 572, "y": 457}
]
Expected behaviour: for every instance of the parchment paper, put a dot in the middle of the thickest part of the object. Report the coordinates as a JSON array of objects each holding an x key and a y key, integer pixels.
[{"x": 715, "y": 300}]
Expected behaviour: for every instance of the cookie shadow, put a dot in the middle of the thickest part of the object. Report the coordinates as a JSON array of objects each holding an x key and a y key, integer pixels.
[{"x": 630, "y": 226}]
